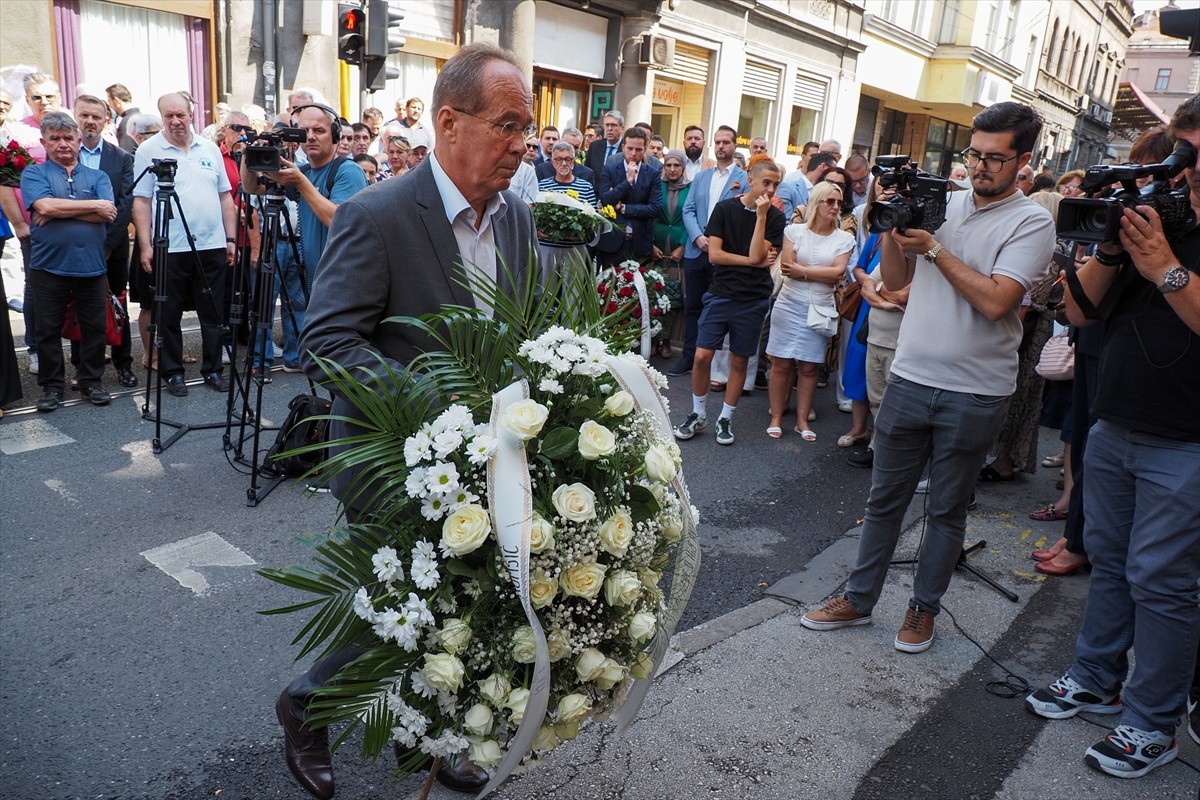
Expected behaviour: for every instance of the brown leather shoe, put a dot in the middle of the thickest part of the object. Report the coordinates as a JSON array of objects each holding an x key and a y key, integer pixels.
[
  {"x": 456, "y": 772},
  {"x": 306, "y": 752}
]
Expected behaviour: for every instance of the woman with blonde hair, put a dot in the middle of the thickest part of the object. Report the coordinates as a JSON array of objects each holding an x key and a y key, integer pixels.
[{"x": 814, "y": 259}]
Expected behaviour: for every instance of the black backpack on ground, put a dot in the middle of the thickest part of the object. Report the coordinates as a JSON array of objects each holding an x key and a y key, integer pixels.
[{"x": 300, "y": 429}]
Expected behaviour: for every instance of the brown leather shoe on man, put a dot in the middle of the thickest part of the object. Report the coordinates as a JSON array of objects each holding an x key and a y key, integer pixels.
[
  {"x": 456, "y": 772},
  {"x": 916, "y": 634},
  {"x": 306, "y": 751}
]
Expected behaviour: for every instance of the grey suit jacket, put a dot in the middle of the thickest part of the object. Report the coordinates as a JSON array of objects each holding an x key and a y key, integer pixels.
[{"x": 391, "y": 252}]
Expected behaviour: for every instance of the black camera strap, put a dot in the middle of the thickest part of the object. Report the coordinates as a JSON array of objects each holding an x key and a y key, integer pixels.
[{"x": 1086, "y": 307}]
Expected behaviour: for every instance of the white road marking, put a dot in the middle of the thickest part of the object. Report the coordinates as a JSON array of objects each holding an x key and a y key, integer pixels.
[
  {"x": 30, "y": 434},
  {"x": 206, "y": 550},
  {"x": 59, "y": 487},
  {"x": 142, "y": 462}
]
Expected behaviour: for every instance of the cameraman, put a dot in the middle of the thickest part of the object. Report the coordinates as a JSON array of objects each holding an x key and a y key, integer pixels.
[
  {"x": 955, "y": 367},
  {"x": 1142, "y": 495},
  {"x": 318, "y": 188}
]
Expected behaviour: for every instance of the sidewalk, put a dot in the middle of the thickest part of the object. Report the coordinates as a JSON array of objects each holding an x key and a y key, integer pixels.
[{"x": 760, "y": 707}]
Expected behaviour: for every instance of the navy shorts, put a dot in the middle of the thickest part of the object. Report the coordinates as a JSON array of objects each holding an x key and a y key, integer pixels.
[{"x": 741, "y": 319}]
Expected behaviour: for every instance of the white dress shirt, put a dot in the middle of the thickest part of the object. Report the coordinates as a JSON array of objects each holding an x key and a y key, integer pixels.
[
  {"x": 716, "y": 186},
  {"x": 476, "y": 242}
]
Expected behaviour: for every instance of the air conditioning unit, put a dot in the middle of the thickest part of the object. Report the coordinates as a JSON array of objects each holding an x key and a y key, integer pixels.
[
  {"x": 656, "y": 51},
  {"x": 1084, "y": 100}
]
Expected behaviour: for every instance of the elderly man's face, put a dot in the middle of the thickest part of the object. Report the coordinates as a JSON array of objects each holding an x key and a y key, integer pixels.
[
  {"x": 177, "y": 119},
  {"x": 91, "y": 119},
  {"x": 612, "y": 129},
  {"x": 62, "y": 147},
  {"x": 319, "y": 146},
  {"x": 416, "y": 156},
  {"x": 1025, "y": 179},
  {"x": 757, "y": 145},
  {"x": 479, "y": 156},
  {"x": 564, "y": 165},
  {"x": 237, "y": 127},
  {"x": 42, "y": 97},
  {"x": 5, "y": 107}
]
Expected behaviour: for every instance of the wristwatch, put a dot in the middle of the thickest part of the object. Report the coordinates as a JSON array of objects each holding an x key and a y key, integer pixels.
[
  {"x": 932, "y": 255},
  {"x": 1174, "y": 279}
]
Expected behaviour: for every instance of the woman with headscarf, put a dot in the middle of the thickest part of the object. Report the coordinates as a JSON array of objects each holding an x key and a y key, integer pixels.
[{"x": 670, "y": 235}]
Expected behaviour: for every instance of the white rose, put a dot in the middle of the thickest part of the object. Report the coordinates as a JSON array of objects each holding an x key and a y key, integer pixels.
[
  {"x": 659, "y": 464},
  {"x": 517, "y": 699},
  {"x": 619, "y": 403},
  {"x": 610, "y": 675},
  {"x": 542, "y": 590},
  {"x": 559, "y": 643},
  {"x": 616, "y": 533},
  {"x": 454, "y": 635},
  {"x": 641, "y": 626},
  {"x": 465, "y": 529},
  {"x": 622, "y": 587},
  {"x": 642, "y": 668},
  {"x": 589, "y": 664},
  {"x": 524, "y": 419},
  {"x": 443, "y": 671},
  {"x": 575, "y": 502},
  {"x": 541, "y": 534},
  {"x": 582, "y": 580},
  {"x": 494, "y": 688},
  {"x": 566, "y": 731},
  {"x": 486, "y": 752},
  {"x": 478, "y": 720},
  {"x": 649, "y": 577},
  {"x": 672, "y": 531},
  {"x": 596, "y": 441},
  {"x": 545, "y": 740},
  {"x": 573, "y": 707},
  {"x": 524, "y": 645}
]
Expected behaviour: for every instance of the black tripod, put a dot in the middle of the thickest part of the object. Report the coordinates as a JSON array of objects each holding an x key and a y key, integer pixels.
[
  {"x": 260, "y": 323},
  {"x": 164, "y": 197}
]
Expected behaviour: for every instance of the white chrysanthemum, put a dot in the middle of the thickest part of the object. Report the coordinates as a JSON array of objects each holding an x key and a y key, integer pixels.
[
  {"x": 457, "y": 417},
  {"x": 448, "y": 744},
  {"x": 550, "y": 386},
  {"x": 416, "y": 449},
  {"x": 421, "y": 686},
  {"x": 414, "y": 484},
  {"x": 434, "y": 508},
  {"x": 481, "y": 448},
  {"x": 442, "y": 478},
  {"x": 461, "y": 496},
  {"x": 387, "y": 565},
  {"x": 418, "y": 611},
  {"x": 424, "y": 569},
  {"x": 447, "y": 442},
  {"x": 362, "y": 605},
  {"x": 387, "y": 623}
]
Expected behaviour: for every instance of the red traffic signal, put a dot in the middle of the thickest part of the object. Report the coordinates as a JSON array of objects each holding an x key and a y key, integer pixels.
[{"x": 351, "y": 33}]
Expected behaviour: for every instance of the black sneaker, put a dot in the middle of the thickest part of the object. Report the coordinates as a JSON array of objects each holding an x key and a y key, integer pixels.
[
  {"x": 864, "y": 460},
  {"x": 1129, "y": 752},
  {"x": 96, "y": 395},
  {"x": 1065, "y": 698},
  {"x": 682, "y": 367},
  {"x": 691, "y": 425},
  {"x": 761, "y": 381},
  {"x": 724, "y": 430},
  {"x": 49, "y": 401}
]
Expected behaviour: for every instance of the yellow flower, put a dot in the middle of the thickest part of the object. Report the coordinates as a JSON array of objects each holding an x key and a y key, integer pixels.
[
  {"x": 572, "y": 193},
  {"x": 609, "y": 212}
]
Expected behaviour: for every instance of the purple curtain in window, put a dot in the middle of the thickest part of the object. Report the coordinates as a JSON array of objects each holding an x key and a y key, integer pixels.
[
  {"x": 197, "y": 52},
  {"x": 66, "y": 43}
]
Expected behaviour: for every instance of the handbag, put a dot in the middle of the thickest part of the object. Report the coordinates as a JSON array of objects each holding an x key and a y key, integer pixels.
[
  {"x": 117, "y": 319},
  {"x": 823, "y": 319},
  {"x": 1057, "y": 360},
  {"x": 849, "y": 300}
]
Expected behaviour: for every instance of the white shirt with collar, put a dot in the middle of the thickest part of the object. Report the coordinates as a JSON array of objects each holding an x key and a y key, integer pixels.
[
  {"x": 693, "y": 168},
  {"x": 476, "y": 244},
  {"x": 716, "y": 186}
]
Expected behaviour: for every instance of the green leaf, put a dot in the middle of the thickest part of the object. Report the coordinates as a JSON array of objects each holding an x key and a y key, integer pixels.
[
  {"x": 642, "y": 503},
  {"x": 559, "y": 443}
]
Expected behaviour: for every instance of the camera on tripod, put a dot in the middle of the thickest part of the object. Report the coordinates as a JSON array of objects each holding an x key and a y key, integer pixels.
[
  {"x": 1098, "y": 219},
  {"x": 920, "y": 200},
  {"x": 163, "y": 169},
  {"x": 265, "y": 154}
]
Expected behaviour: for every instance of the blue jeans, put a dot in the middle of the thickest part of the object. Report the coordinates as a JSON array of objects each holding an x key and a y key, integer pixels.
[
  {"x": 697, "y": 275},
  {"x": 1142, "y": 532},
  {"x": 287, "y": 273},
  {"x": 950, "y": 430}
]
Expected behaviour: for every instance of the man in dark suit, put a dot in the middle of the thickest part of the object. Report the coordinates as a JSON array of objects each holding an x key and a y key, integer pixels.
[
  {"x": 607, "y": 148},
  {"x": 573, "y": 137},
  {"x": 631, "y": 186},
  {"x": 91, "y": 113},
  {"x": 409, "y": 241}
]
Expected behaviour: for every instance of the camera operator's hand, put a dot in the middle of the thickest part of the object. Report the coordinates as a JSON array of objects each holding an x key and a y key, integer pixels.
[
  {"x": 290, "y": 175},
  {"x": 1143, "y": 239},
  {"x": 914, "y": 241}
]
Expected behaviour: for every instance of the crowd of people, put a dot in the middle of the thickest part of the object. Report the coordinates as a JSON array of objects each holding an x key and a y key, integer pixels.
[{"x": 940, "y": 350}]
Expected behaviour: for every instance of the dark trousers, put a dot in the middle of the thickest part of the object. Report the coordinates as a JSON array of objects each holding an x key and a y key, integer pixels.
[
  {"x": 189, "y": 281},
  {"x": 1083, "y": 397},
  {"x": 697, "y": 275},
  {"x": 30, "y": 309},
  {"x": 52, "y": 292},
  {"x": 118, "y": 279}
]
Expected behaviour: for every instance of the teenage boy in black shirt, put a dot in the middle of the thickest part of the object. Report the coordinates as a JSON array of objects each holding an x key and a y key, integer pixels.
[{"x": 741, "y": 234}]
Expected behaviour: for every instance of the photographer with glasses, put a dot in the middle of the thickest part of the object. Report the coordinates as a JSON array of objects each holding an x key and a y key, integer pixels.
[
  {"x": 955, "y": 367},
  {"x": 1141, "y": 499}
]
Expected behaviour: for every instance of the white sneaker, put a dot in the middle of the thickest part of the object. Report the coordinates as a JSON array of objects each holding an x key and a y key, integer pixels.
[
  {"x": 33, "y": 363},
  {"x": 845, "y": 407}
]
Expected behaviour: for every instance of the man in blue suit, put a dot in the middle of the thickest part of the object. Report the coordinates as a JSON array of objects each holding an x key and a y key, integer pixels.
[
  {"x": 631, "y": 186},
  {"x": 709, "y": 187}
]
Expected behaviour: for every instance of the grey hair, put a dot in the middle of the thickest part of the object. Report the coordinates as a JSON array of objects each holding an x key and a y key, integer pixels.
[
  {"x": 58, "y": 121},
  {"x": 37, "y": 79},
  {"x": 460, "y": 84},
  {"x": 617, "y": 115},
  {"x": 139, "y": 123},
  {"x": 565, "y": 147},
  {"x": 572, "y": 132},
  {"x": 230, "y": 117}
]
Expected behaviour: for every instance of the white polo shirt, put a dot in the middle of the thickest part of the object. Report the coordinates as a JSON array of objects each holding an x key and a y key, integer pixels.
[{"x": 199, "y": 180}]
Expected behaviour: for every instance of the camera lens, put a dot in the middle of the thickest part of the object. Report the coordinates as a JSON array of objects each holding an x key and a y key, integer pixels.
[{"x": 885, "y": 216}]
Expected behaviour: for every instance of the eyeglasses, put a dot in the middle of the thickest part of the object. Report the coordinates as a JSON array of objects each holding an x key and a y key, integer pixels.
[
  {"x": 990, "y": 163},
  {"x": 831, "y": 201},
  {"x": 531, "y": 146},
  {"x": 1070, "y": 187},
  {"x": 242, "y": 128},
  {"x": 563, "y": 160},
  {"x": 508, "y": 130}
]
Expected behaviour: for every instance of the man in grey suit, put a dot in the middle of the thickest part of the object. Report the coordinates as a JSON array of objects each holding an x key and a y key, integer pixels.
[
  {"x": 399, "y": 248},
  {"x": 709, "y": 187}
]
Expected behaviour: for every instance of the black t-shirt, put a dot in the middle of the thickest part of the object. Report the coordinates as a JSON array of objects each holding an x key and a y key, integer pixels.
[
  {"x": 733, "y": 223},
  {"x": 1150, "y": 365}
]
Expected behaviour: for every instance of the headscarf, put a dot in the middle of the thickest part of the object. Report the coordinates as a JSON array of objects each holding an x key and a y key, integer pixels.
[{"x": 674, "y": 187}]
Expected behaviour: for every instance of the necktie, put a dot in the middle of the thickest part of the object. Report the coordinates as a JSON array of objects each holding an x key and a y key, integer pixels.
[{"x": 608, "y": 151}]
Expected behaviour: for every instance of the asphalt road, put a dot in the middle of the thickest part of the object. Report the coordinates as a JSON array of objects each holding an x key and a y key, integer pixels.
[{"x": 119, "y": 680}]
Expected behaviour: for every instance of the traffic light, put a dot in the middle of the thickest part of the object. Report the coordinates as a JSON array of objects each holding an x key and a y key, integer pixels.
[
  {"x": 376, "y": 74},
  {"x": 383, "y": 24},
  {"x": 352, "y": 39}
]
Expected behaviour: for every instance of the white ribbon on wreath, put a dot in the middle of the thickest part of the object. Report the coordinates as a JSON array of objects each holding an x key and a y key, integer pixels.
[{"x": 639, "y": 283}]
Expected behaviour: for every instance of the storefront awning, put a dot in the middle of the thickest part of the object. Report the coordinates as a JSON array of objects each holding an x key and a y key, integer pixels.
[{"x": 1135, "y": 112}]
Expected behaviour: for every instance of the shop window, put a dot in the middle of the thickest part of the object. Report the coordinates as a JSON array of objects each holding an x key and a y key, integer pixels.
[
  {"x": 803, "y": 128},
  {"x": 754, "y": 119}
]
